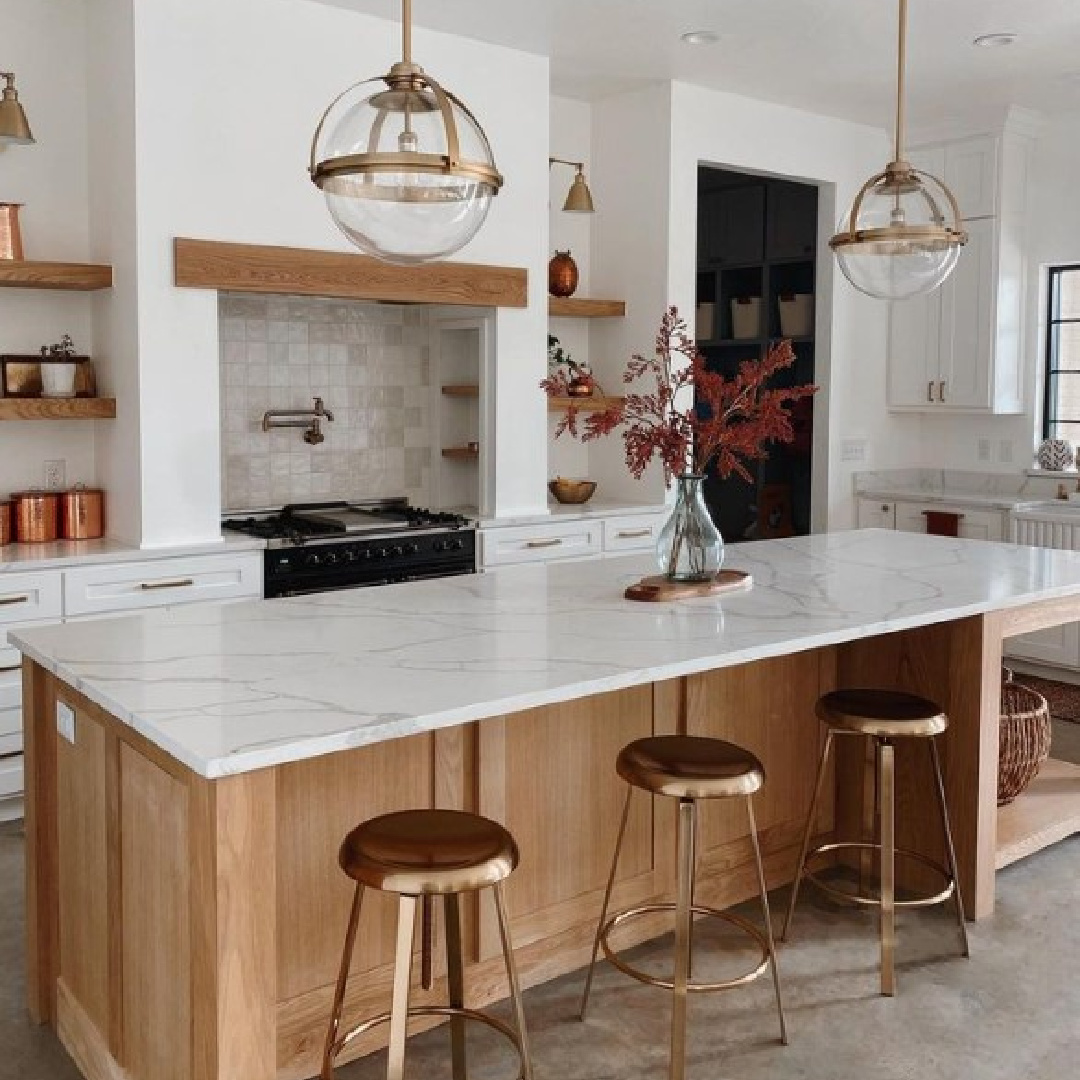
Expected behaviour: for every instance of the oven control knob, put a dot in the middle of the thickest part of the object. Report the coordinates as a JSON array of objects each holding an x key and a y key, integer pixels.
[
  {"x": 457, "y": 545},
  {"x": 312, "y": 559},
  {"x": 331, "y": 558},
  {"x": 352, "y": 555},
  {"x": 382, "y": 553},
  {"x": 397, "y": 551},
  {"x": 412, "y": 549}
]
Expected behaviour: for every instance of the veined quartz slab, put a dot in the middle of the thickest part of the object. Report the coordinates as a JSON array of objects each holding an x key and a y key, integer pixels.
[{"x": 230, "y": 688}]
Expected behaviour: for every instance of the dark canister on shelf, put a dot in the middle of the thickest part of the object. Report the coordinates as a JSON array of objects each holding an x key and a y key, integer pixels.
[
  {"x": 562, "y": 274},
  {"x": 37, "y": 515}
]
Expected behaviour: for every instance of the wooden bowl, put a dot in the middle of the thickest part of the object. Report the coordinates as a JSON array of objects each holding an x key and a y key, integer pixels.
[{"x": 571, "y": 491}]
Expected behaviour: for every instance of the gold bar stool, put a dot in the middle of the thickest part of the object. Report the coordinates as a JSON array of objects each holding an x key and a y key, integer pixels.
[
  {"x": 688, "y": 768},
  {"x": 884, "y": 716},
  {"x": 421, "y": 854}
]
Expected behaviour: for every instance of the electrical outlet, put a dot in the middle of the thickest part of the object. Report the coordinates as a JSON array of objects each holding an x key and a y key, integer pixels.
[
  {"x": 1005, "y": 451},
  {"x": 55, "y": 475},
  {"x": 982, "y": 450},
  {"x": 853, "y": 451},
  {"x": 65, "y": 721}
]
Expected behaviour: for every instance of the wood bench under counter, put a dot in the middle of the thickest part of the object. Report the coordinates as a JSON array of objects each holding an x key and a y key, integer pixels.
[{"x": 185, "y": 910}]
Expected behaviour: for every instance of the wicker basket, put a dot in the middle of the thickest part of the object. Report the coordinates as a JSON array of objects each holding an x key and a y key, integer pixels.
[{"x": 1023, "y": 738}]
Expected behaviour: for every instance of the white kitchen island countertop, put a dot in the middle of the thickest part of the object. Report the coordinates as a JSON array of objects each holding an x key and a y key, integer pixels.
[{"x": 237, "y": 687}]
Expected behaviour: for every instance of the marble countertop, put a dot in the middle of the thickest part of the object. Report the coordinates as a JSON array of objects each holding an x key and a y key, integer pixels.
[
  {"x": 61, "y": 554},
  {"x": 980, "y": 499},
  {"x": 231, "y": 688}
]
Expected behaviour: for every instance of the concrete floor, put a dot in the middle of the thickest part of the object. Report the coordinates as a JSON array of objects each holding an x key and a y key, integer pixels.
[{"x": 1011, "y": 1012}]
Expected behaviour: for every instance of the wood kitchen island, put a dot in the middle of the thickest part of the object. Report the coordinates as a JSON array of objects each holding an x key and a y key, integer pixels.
[{"x": 185, "y": 910}]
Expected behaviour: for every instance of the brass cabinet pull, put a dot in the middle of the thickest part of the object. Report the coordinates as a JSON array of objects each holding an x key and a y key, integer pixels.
[
  {"x": 543, "y": 543},
  {"x": 632, "y": 534},
  {"x": 180, "y": 583},
  {"x": 10, "y": 667},
  {"x": 941, "y": 390},
  {"x": 930, "y": 390},
  {"x": 7, "y": 600}
]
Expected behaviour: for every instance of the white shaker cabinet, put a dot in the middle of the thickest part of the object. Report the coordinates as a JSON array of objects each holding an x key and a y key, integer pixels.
[
  {"x": 959, "y": 348},
  {"x": 876, "y": 514}
]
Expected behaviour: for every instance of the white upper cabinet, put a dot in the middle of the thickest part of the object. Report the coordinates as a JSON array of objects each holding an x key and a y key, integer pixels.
[{"x": 959, "y": 349}]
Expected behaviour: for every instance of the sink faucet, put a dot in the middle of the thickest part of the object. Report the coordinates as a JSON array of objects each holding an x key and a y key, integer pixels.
[{"x": 309, "y": 419}]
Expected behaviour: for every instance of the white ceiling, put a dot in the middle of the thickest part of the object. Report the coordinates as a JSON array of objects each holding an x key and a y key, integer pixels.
[{"x": 835, "y": 57}]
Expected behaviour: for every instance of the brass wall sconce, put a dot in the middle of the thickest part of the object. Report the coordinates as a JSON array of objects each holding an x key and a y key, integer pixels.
[
  {"x": 14, "y": 127},
  {"x": 579, "y": 198}
]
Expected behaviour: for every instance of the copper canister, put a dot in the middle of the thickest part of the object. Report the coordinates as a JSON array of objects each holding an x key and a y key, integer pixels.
[
  {"x": 7, "y": 523},
  {"x": 82, "y": 513},
  {"x": 37, "y": 516}
]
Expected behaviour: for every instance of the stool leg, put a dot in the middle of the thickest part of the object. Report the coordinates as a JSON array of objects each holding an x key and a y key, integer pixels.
[
  {"x": 607, "y": 901},
  {"x": 455, "y": 978},
  {"x": 331, "y": 1050},
  {"x": 512, "y": 978},
  {"x": 950, "y": 849},
  {"x": 819, "y": 783},
  {"x": 887, "y": 771},
  {"x": 683, "y": 917},
  {"x": 767, "y": 917},
  {"x": 399, "y": 1008}
]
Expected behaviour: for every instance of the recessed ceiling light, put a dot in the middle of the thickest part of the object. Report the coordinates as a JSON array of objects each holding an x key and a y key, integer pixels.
[
  {"x": 701, "y": 37},
  {"x": 994, "y": 41}
]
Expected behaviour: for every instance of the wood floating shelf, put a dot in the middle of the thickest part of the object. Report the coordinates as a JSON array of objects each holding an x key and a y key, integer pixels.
[
  {"x": 581, "y": 307},
  {"x": 57, "y": 408},
  {"x": 1047, "y": 812},
  {"x": 461, "y": 390},
  {"x": 583, "y": 404},
  {"x": 460, "y": 453},
  {"x": 74, "y": 277},
  {"x": 283, "y": 271}
]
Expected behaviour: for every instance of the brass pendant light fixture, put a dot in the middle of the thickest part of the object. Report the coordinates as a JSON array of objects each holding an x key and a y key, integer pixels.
[
  {"x": 579, "y": 198},
  {"x": 14, "y": 127},
  {"x": 407, "y": 171},
  {"x": 903, "y": 235}
]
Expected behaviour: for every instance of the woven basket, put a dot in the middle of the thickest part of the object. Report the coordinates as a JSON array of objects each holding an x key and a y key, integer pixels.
[{"x": 1023, "y": 738}]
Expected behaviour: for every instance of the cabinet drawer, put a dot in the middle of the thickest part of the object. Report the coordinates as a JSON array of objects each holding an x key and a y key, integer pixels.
[
  {"x": 637, "y": 532},
  {"x": 134, "y": 586},
  {"x": 27, "y": 597},
  {"x": 541, "y": 543},
  {"x": 11, "y": 739},
  {"x": 11, "y": 776}
]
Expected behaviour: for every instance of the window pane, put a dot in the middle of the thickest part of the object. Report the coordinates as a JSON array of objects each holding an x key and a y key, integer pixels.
[
  {"x": 1065, "y": 346},
  {"x": 1067, "y": 403},
  {"x": 1068, "y": 294}
]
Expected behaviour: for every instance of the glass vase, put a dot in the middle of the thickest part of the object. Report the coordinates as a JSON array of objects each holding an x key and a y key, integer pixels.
[{"x": 690, "y": 547}]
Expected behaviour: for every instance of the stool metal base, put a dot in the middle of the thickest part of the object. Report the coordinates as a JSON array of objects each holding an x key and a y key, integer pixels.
[
  {"x": 866, "y": 900},
  {"x": 692, "y": 987}
]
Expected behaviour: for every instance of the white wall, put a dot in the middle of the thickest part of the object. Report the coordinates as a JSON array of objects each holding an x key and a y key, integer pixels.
[
  {"x": 1053, "y": 236},
  {"x": 44, "y": 43},
  {"x": 221, "y": 153},
  {"x": 735, "y": 132}
]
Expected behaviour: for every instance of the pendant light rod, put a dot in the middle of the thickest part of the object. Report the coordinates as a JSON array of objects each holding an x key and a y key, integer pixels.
[
  {"x": 901, "y": 65},
  {"x": 406, "y": 31}
]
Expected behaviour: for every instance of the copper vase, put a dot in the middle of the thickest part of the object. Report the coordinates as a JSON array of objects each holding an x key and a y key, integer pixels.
[
  {"x": 11, "y": 245},
  {"x": 562, "y": 274}
]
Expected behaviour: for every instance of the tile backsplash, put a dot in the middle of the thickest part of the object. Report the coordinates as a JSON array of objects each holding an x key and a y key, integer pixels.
[{"x": 369, "y": 363}]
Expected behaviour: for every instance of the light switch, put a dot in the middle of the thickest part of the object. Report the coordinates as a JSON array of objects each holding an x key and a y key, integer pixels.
[{"x": 65, "y": 721}]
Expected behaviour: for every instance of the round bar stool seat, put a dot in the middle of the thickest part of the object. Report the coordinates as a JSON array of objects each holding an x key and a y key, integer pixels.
[
  {"x": 689, "y": 767},
  {"x": 428, "y": 853},
  {"x": 881, "y": 713},
  {"x": 885, "y": 717},
  {"x": 420, "y": 855}
]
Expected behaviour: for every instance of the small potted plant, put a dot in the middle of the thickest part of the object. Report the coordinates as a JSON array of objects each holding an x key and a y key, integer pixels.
[{"x": 567, "y": 377}]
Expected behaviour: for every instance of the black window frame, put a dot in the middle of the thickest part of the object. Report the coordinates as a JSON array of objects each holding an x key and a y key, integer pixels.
[{"x": 1051, "y": 374}]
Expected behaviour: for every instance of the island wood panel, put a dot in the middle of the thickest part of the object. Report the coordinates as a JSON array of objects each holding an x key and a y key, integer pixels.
[
  {"x": 82, "y": 846},
  {"x": 256, "y": 268},
  {"x": 549, "y": 776},
  {"x": 319, "y": 801},
  {"x": 956, "y": 664}
]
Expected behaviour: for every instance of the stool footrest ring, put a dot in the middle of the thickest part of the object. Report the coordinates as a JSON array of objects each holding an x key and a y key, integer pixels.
[
  {"x": 692, "y": 987},
  {"x": 440, "y": 1010},
  {"x": 872, "y": 901}
]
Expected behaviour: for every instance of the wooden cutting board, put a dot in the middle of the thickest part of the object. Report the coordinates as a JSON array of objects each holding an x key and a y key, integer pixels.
[{"x": 659, "y": 589}]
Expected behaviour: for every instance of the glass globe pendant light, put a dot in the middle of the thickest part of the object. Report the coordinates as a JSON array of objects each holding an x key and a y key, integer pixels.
[
  {"x": 904, "y": 232},
  {"x": 407, "y": 171}
]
